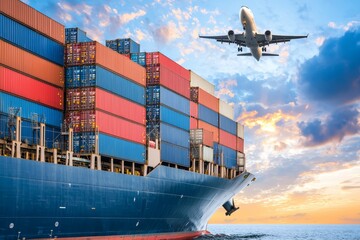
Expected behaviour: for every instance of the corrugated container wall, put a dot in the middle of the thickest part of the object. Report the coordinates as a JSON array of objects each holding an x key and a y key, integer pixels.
[
  {"x": 91, "y": 76},
  {"x": 139, "y": 58},
  {"x": 160, "y": 95},
  {"x": 48, "y": 115},
  {"x": 240, "y": 130},
  {"x": 22, "y": 86},
  {"x": 30, "y": 64},
  {"x": 197, "y": 81},
  {"x": 155, "y": 113},
  {"x": 175, "y": 154},
  {"x": 194, "y": 111},
  {"x": 227, "y": 139},
  {"x": 193, "y": 123},
  {"x": 239, "y": 144},
  {"x": 202, "y": 152},
  {"x": 201, "y": 136},
  {"x": 122, "y": 149},
  {"x": 75, "y": 35},
  {"x": 226, "y": 109},
  {"x": 123, "y": 45},
  {"x": 30, "y": 17},
  {"x": 209, "y": 128},
  {"x": 31, "y": 41},
  {"x": 227, "y": 124},
  {"x": 95, "y": 53},
  {"x": 208, "y": 115},
  {"x": 200, "y": 96}
]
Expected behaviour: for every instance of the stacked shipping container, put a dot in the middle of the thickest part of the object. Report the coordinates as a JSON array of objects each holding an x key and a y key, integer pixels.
[
  {"x": 123, "y": 46},
  {"x": 168, "y": 108},
  {"x": 105, "y": 93},
  {"x": 215, "y": 116},
  {"x": 31, "y": 72}
]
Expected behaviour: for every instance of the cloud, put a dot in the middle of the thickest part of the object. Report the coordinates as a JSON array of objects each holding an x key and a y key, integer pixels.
[
  {"x": 339, "y": 124},
  {"x": 127, "y": 17},
  {"x": 334, "y": 75},
  {"x": 166, "y": 33}
]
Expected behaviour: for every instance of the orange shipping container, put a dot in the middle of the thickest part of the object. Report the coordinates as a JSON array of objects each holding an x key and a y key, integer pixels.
[
  {"x": 120, "y": 127},
  {"x": 32, "y": 18},
  {"x": 227, "y": 139},
  {"x": 96, "y": 53},
  {"x": 240, "y": 144},
  {"x": 200, "y": 96},
  {"x": 30, "y": 64},
  {"x": 210, "y": 128},
  {"x": 120, "y": 106},
  {"x": 193, "y": 123}
]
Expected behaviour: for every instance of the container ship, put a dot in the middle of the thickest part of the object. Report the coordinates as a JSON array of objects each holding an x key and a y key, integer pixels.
[{"x": 106, "y": 141}]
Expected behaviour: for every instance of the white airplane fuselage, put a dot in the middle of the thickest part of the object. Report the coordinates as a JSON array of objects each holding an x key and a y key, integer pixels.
[{"x": 250, "y": 31}]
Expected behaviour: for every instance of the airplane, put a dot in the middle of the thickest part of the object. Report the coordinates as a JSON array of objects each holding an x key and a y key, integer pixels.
[{"x": 250, "y": 38}]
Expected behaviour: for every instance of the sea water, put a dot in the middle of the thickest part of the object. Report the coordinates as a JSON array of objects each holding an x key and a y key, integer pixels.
[{"x": 283, "y": 232}]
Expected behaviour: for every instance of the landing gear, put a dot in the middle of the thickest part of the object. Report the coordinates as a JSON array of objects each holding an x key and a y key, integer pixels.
[
  {"x": 239, "y": 49},
  {"x": 264, "y": 49}
]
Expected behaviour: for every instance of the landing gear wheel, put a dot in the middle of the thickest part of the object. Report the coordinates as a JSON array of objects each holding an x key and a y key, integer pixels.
[
  {"x": 264, "y": 49},
  {"x": 239, "y": 49}
]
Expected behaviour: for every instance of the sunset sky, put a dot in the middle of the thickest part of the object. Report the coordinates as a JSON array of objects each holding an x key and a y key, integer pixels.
[{"x": 301, "y": 110}]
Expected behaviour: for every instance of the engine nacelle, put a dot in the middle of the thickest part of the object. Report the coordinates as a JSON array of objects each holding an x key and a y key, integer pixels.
[
  {"x": 231, "y": 35},
  {"x": 268, "y": 36}
]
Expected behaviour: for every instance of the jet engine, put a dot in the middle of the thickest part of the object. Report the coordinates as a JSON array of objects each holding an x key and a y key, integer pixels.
[
  {"x": 268, "y": 36},
  {"x": 231, "y": 35}
]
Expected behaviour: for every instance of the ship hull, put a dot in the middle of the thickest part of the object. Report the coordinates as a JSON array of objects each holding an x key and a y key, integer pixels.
[{"x": 42, "y": 200}]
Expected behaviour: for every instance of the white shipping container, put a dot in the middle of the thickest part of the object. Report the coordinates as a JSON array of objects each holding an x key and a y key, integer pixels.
[
  {"x": 240, "y": 130},
  {"x": 226, "y": 110},
  {"x": 240, "y": 159},
  {"x": 203, "y": 152},
  {"x": 197, "y": 81}
]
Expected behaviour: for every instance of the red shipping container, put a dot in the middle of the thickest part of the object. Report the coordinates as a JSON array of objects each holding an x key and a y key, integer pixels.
[
  {"x": 95, "y": 53},
  {"x": 156, "y": 58},
  {"x": 30, "y": 64},
  {"x": 194, "y": 109},
  {"x": 227, "y": 139},
  {"x": 80, "y": 98},
  {"x": 120, "y": 127},
  {"x": 210, "y": 128},
  {"x": 164, "y": 76},
  {"x": 31, "y": 89},
  {"x": 200, "y": 96},
  {"x": 240, "y": 144},
  {"x": 193, "y": 123},
  {"x": 28, "y": 16},
  {"x": 120, "y": 106},
  {"x": 72, "y": 119}
]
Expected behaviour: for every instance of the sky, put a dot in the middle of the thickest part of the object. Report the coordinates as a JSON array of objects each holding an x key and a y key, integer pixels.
[{"x": 301, "y": 110}]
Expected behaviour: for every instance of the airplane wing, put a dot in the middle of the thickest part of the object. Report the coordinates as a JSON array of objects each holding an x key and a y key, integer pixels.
[
  {"x": 276, "y": 39},
  {"x": 239, "y": 39},
  {"x": 263, "y": 54}
]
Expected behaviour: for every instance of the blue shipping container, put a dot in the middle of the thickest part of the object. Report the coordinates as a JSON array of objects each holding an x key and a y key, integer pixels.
[
  {"x": 167, "y": 115},
  {"x": 28, "y": 134},
  {"x": 227, "y": 124},
  {"x": 174, "y": 154},
  {"x": 75, "y": 35},
  {"x": 161, "y": 95},
  {"x": 174, "y": 135},
  {"x": 123, "y": 45},
  {"x": 139, "y": 58},
  {"x": 229, "y": 156},
  {"x": 90, "y": 76},
  {"x": 208, "y": 115},
  {"x": 31, "y": 41},
  {"x": 121, "y": 149},
  {"x": 50, "y": 116}
]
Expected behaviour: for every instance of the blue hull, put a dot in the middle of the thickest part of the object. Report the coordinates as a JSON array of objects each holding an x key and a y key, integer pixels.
[{"x": 43, "y": 199}]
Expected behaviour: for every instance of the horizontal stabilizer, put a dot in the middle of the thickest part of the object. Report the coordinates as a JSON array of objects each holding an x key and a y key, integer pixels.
[
  {"x": 244, "y": 54},
  {"x": 270, "y": 54}
]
